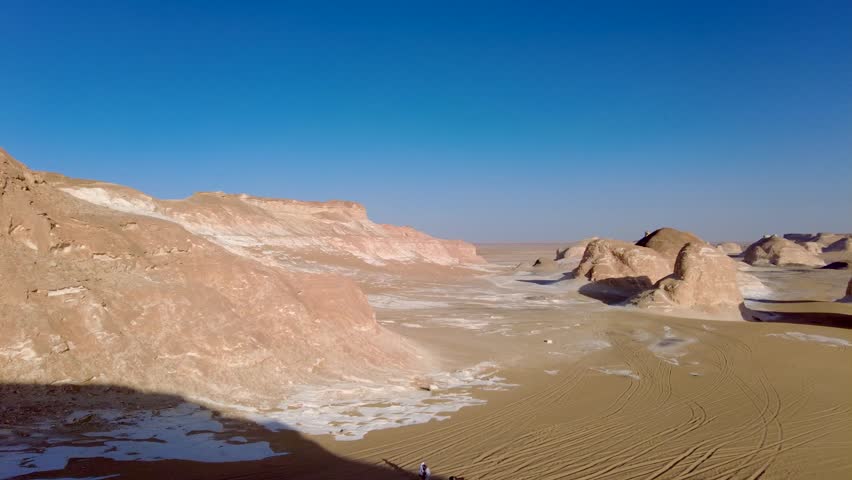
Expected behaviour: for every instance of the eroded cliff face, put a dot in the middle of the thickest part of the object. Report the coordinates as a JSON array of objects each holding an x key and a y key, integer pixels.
[
  {"x": 308, "y": 236},
  {"x": 102, "y": 284}
]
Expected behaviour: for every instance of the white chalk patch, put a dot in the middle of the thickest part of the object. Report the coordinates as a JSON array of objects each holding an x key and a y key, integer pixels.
[
  {"x": 621, "y": 372},
  {"x": 104, "y": 198},
  {"x": 391, "y": 302},
  {"x": 66, "y": 291},
  {"x": 465, "y": 323},
  {"x": 350, "y": 410},
  {"x": 751, "y": 287},
  {"x": 552, "y": 372},
  {"x": 804, "y": 337}
]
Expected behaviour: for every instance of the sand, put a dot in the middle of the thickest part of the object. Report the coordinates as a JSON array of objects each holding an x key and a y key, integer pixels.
[{"x": 616, "y": 393}]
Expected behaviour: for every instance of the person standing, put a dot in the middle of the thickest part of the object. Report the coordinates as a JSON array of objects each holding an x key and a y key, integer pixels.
[{"x": 425, "y": 473}]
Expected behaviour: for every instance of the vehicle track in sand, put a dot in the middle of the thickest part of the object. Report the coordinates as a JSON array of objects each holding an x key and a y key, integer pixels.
[{"x": 739, "y": 418}]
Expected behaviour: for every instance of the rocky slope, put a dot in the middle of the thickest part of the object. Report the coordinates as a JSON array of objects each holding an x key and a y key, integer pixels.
[
  {"x": 311, "y": 236},
  {"x": 104, "y": 285}
]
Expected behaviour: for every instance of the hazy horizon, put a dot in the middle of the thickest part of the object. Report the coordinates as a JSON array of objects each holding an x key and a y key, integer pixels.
[{"x": 485, "y": 122}]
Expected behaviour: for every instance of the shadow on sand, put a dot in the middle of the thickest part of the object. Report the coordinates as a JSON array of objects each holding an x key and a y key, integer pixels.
[
  {"x": 614, "y": 291},
  {"x": 565, "y": 276},
  {"x": 50, "y": 421},
  {"x": 815, "y": 315}
]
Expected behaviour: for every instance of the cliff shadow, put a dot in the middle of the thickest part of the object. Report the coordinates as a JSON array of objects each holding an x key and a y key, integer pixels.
[{"x": 102, "y": 431}]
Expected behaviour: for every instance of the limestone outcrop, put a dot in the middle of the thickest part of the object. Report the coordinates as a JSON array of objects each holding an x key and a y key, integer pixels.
[
  {"x": 623, "y": 265},
  {"x": 309, "y": 236},
  {"x": 780, "y": 251},
  {"x": 102, "y": 285},
  {"x": 668, "y": 241},
  {"x": 824, "y": 239},
  {"x": 704, "y": 279}
]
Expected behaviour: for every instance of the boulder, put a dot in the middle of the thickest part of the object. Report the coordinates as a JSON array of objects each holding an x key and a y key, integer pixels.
[
  {"x": 730, "y": 248},
  {"x": 780, "y": 251},
  {"x": 668, "y": 241},
  {"x": 628, "y": 267},
  {"x": 704, "y": 279}
]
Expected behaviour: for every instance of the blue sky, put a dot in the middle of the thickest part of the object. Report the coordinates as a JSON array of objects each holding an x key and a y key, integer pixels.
[{"x": 488, "y": 121}]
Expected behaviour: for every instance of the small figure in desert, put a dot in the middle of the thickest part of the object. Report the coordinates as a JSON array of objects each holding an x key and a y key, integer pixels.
[{"x": 424, "y": 473}]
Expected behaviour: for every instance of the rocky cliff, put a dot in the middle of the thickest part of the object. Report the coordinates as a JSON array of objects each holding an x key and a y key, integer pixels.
[
  {"x": 100, "y": 284},
  {"x": 313, "y": 236}
]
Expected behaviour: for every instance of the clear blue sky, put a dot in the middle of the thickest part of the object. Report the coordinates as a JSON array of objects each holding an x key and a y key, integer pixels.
[{"x": 487, "y": 121}]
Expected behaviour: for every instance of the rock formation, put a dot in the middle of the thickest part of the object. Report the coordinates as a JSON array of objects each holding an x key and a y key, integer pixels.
[
  {"x": 704, "y": 279},
  {"x": 623, "y": 265},
  {"x": 313, "y": 236},
  {"x": 842, "y": 245},
  {"x": 824, "y": 239},
  {"x": 780, "y": 251},
  {"x": 813, "y": 248},
  {"x": 104, "y": 285},
  {"x": 669, "y": 241},
  {"x": 573, "y": 252},
  {"x": 730, "y": 248}
]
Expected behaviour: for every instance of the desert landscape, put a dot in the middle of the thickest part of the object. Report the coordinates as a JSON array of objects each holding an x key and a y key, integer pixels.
[
  {"x": 425, "y": 240},
  {"x": 231, "y": 336}
]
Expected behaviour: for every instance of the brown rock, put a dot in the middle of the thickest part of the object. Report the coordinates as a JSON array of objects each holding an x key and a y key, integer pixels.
[
  {"x": 127, "y": 290},
  {"x": 780, "y": 251},
  {"x": 622, "y": 264},
  {"x": 338, "y": 232},
  {"x": 668, "y": 241},
  {"x": 704, "y": 279}
]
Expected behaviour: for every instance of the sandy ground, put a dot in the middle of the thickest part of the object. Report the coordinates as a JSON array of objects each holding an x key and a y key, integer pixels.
[{"x": 568, "y": 387}]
